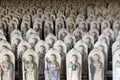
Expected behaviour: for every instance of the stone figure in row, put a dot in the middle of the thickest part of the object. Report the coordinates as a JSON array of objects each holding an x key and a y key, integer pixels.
[
  {"x": 52, "y": 65},
  {"x": 96, "y": 65},
  {"x": 7, "y": 65}
]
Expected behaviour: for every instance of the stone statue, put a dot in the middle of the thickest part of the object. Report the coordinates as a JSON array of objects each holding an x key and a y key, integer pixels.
[
  {"x": 78, "y": 34},
  {"x": 7, "y": 65},
  {"x": 74, "y": 65},
  {"x": 116, "y": 28},
  {"x": 22, "y": 47},
  {"x": 33, "y": 40},
  {"x": 30, "y": 65},
  {"x": 29, "y": 33},
  {"x": 94, "y": 25},
  {"x": 24, "y": 28},
  {"x": 38, "y": 28},
  {"x": 96, "y": 65},
  {"x": 61, "y": 47},
  {"x": 82, "y": 47},
  {"x": 41, "y": 48},
  {"x": 7, "y": 68},
  {"x": 50, "y": 40},
  {"x": 102, "y": 46},
  {"x": 48, "y": 29},
  {"x": 88, "y": 38},
  {"x": 116, "y": 65},
  {"x": 95, "y": 34},
  {"x": 83, "y": 26},
  {"x": 109, "y": 32},
  {"x": 105, "y": 24},
  {"x": 59, "y": 26},
  {"x": 12, "y": 26},
  {"x": 30, "y": 68},
  {"x": 104, "y": 38},
  {"x": 62, "y": 33},
  {"x": 15, "y": 45},
  {"x": 115, "y": 46},
  {"x": 71, "y": 26},
  {"x": 69, "y": 41},
  {"x": 52, "y": 65}
]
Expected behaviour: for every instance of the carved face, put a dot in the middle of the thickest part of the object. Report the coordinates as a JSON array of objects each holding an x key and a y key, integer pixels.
[
  {"x": 104, "y": 40},
  {"x": 70, "y": 26},
  {"x": 108, "y": 34},
  {"x": 25, "y": 26},
  {"x": 63, "y": 34},
  {"x": 81, "y": 48},
  {"x": 96, "y": 57},
  {"x": 105, "y": 25},
  {"x": 70, "y": 40},
  {"x": 101, "y": 48},
  {"x": 30, "y": 58},
  {"x": 34, "y": 41},
  {"x": 37, "y": 27},
  {"x": 77, "y": 34},
  {"x": 74, "y": 58},
  {"x": 59, "y": 26},
  {"x": 6, "y": 57},
  {"x": 52, "y": 57},
  {"x": 42, "y": 48},
  {"x": 24, "y": 48},
  {"x": 17, "y": 41},
  {"x": 88, "y": 40},
  {"x": 94, "y": 34},
  {"x": 60, "y": 48},
  {"x": 95, "y": 25},
  {"x": 51, "y": 41}
]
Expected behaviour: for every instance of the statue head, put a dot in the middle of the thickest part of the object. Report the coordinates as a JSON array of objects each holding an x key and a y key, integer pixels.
[
  {"x": 29, "y": 58},
  {"x": 70, "y": 40},
  {"x": 96, "y": 57},
  {"x": 94, "y": 34},
  {"x": 94, "y": 25},
  {"x": 63, "y": 34},
  {"x": 51, "y": 41},
  {"x": 81, "y": 47},
  {"x": 25, "y": 26},
  {"x": 108, "y": 34},
  {"x": 24, "y": 48},
  {"x": 34, "y": 40},
  {"x": 52, "y": 57},
  {"x": 42, "y": 48},
  {"x": 104, "y": 40},
  {"x": 101, "y": 48},
  {"x": 59, "y": 26},
  {"x": 106, "y": 24},
  {"x": 74, "y": 58},
  {"x": 84, "y": 25},
  {"x": 88, "y": 40},
  {"x": 48, "y": 25},
  {"x": 17, "y": 41},
  {"x": 78, "y": 34},
  {"x": 60, "y": 47},
  {"x": 6, "y": 57}
]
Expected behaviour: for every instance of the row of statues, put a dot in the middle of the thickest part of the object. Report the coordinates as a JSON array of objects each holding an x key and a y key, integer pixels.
[{"x": 56, "y": 38}]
